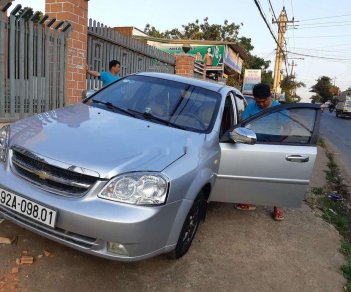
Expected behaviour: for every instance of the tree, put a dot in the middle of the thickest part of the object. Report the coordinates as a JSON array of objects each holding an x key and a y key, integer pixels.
[
  {"x": 325, "y": 89},
  {"x": 197, "y": 30},
  {"x": 289, "y": 86},
  {"x": 245, "y": 43},
  {"x": 316, "y": 98},
  {"x": 152, "y": 31}
]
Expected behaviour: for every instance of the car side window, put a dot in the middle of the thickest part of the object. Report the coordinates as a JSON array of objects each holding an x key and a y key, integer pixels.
[
  {"x": 228, "y": 116},
  {"x": 240, "y": 105},
  {"x": 286, "y": 126}
]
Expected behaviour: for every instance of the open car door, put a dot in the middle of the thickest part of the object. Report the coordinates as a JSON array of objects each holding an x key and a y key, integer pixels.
[{"x": 277, "y": 168}]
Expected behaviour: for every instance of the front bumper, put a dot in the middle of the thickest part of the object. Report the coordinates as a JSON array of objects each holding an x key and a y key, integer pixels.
[{"x": 89, "y": 223}]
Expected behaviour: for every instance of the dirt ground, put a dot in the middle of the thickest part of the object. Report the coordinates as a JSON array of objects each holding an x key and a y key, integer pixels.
[{"x": 233, "y": 251}]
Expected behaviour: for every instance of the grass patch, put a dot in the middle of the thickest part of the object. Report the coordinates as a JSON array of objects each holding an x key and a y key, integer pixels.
[
  {"x": 317, "y": 191},
  {"x": 336, "y": 212},
  {"x": 346, "y": 248},
  {"x": 321, "y": 142},
  {"x": 346, "y": 269}
]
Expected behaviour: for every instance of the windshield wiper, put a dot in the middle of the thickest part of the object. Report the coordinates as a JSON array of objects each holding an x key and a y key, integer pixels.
[
  {"x": 151, "y": 117},
  {"x": 112, "y": 106}
]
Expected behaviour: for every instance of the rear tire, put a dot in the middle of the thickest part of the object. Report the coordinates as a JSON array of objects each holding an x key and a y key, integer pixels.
[
  {"x": 190, "y": 226},
  {"x": 337, "y": 114}
]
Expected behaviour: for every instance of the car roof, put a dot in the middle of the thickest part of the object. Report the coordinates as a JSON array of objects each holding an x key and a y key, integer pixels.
[{"x": 192, "y": 81}]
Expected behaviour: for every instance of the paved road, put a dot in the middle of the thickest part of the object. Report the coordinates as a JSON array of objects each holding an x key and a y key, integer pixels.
[{"x": 338, "y": 132}]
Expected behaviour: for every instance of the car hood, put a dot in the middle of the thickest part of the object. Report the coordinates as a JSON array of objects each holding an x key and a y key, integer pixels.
[{"x": 106, "y": 142}]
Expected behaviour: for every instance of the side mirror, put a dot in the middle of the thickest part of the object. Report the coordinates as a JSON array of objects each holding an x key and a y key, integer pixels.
[
  {"x": 87, "y": 93},
  {"x": 243, "y": 135}
]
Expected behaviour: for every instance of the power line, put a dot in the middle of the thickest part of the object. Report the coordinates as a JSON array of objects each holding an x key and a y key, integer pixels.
[
  {"x": 323, "y": 36},
  {"x": 276, "y": 20},
  {"x": 326, "y": 17},
  {"x": 329, "y": 61},
  {"x": 325, "y": 23},
  {"x": 292, "y": 8},
  {"x": 265, "y": 20},
  {"x": 271, "y": 31},
  {"x": 319, "y": 57},
  {"x": 328, "y": 26},
  {"x": 321, "y": 50},
  {"x": 270, "y": 4},
  {"x": 285, "y": 41},
  {"x": 347, "y": 45}
]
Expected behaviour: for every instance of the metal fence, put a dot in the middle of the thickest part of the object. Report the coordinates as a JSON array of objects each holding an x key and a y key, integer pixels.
[
  {"x": 199, "y": 70},
  {"x": 32, "y": 64},
  {"x": 106, "y": 44}
]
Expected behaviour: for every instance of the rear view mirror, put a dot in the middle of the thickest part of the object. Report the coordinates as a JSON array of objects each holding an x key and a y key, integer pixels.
[
  {"x": 243, "y": 135},
  {"x": 87, "y": 93}
]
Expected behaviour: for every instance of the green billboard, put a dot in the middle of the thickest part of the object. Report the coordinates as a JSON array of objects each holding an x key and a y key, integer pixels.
[{"x": 212, "y": 56}]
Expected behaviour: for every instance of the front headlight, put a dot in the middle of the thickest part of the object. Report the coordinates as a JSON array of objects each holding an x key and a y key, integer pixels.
[
  {"x": 4, "y": 137},
  {"x": 137, "y": 188}
]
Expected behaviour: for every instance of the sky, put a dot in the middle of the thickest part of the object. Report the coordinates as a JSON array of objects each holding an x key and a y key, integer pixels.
[{"x": 322, "y": 28}]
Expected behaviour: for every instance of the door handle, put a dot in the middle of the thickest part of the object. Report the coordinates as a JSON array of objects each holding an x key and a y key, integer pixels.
[{"x": 297, "y": 158}]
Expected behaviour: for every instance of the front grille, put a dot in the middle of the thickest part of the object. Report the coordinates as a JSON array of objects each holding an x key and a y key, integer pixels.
[
  {"x": 75, "y": 238},
  {"x": 50, "y": 177}
]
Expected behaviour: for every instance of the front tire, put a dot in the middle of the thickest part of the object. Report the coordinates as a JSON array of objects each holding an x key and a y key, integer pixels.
[{"x": 190, "y": 226}]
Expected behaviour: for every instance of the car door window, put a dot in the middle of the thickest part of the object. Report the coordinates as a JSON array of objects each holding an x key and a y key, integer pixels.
[
  {"x": 228, "y": 116},
  {"x": 240, "y": 105},
  {"x": 286, "y": 126}
]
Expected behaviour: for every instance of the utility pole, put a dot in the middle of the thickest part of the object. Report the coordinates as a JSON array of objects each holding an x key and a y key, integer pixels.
[
  {"x": 292, "y": 68},
  {"x": 282, "y": 22},
  {"x": 292, "y": 79}
]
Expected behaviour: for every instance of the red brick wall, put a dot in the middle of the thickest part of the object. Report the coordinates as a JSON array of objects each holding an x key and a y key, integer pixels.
[
  {"x": 76, "y": 12},
  {"x": 185, "y": 65}
]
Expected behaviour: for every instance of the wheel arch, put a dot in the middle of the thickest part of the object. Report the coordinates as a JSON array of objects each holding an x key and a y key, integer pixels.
[
  {"x": 206, "y": 190},
  {"x": 194, "y": 191}
]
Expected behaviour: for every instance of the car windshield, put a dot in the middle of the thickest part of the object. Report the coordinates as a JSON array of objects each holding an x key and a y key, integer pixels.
[{"x": 162, "y": 101}]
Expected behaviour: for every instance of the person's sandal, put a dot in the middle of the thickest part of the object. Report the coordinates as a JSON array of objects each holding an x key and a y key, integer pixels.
[
  {"x": 278, "y": 214},
  {"x": 245, "y": 207}
]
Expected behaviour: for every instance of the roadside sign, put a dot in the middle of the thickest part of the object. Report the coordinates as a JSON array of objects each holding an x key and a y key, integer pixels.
[{"x": 251, "y": 78}]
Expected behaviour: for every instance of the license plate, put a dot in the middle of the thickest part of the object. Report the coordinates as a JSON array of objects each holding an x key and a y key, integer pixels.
[{"x": 28, "y": 208}]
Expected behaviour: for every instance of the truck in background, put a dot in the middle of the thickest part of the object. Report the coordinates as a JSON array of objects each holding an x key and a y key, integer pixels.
[{"x": 343, "y": 106}]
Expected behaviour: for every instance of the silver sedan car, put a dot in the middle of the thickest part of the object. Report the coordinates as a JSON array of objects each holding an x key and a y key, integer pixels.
[{"x": 127, "y": 173}]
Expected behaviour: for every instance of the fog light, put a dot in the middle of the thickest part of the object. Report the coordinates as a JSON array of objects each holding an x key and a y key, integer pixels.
[{"x": 117, "y": 248}]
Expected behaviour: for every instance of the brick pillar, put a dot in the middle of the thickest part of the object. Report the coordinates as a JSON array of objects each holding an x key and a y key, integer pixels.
[
  {"x": 185, "y": 65},
  {"x": 75, "y": 12}
]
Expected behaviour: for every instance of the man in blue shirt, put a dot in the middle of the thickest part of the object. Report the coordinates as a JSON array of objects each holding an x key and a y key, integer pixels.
[
  {"x": 263, "y": 100},
  {"x": 110, "y": 76},
  {"x": 259, "y": 104}
]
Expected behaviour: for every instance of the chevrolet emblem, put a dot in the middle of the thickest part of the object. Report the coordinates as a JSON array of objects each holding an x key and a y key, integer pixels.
[{"x": 43, "y": 175}]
